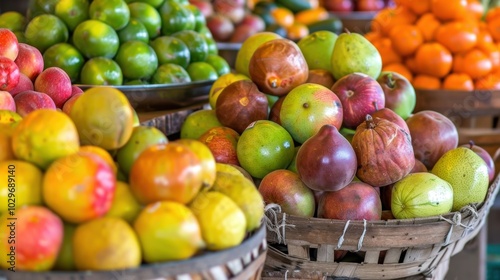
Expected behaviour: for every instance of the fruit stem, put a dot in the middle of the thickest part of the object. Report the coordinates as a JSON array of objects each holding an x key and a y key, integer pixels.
[
  {"x": 273, "y": 83},
  {"x": 390, "y": 80},
  {"x": 471, "y": 143},
  {"x": 369, "y": 122},
  {"x": 347, "y": 31},
  {"x": 375, "y": 105}
]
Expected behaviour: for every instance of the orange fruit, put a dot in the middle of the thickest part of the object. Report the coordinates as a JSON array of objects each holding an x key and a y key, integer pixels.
[
  {"x": 494, "y": 28},
  {"x": 490, "y": 81},
  {"x": 387, "y": 18},
  {"x": 411, "y": 64},
  {"x": 297, "y": 31},
  {"x": 476, "y": 63},
  {"x": 399, "y": 68},
  {"x": 309, "y": 16},
  {"x": 449, "y": 9},
  {"x": 458, "y": 81},
  {"x": 475, "y": 9},
  {"x": 105, "y": 155},
  {"x": 420, "y": 7},
  {"x": 492, "y": 14},
  {"x": 493, "y": 52},
  {"x": 456, "y": 36},
  {"x": 373, "y": 36},
  {"x": 428, "y": 23},
  {"x": 283, "y": 16},
  {"x": 406, "y": 38},
  {"x": 426, "y": 82},
  {"x": 433, "y": 59},
  {"x": 386, "y": 51}
]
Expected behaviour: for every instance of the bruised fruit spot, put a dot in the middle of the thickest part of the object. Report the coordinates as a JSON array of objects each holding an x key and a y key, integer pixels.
[{"x": 244, "y": 101}]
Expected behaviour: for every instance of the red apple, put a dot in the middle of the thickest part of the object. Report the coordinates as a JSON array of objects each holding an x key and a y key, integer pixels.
[
  {"x": 56, "y": 83},
  {"x": 485, "y": 156},
  {"x": 339, "y": 5},
  {"x": 7, "y": 101},
  {"x": 9, "y": 45},
  {"x": 205, "y": 7},
  {"x": 30, "y": 100},
  {"x": 357, "y": 201},
  {"x": 399, "y": 93},
  {"x": 75, "y": 90},
  {"x": 233, "y": 9},
  {"x": 274, "y": 113},
  {"x": 284, "y": 187},
  {"x": 370, "y": 5},
  {"x": 9, "y": 74},
  {"x": 220, "y": 26},
  {"x": 432, "y": 135},
  {"x": 24, "y": 84},
  {"x": 254, "y": 21},
  {"x": 37, "y": 233},
  {"x": 30, "y": 61},
  {"x": 358, "y": 93},
  {"x": 241, "y": 33}
]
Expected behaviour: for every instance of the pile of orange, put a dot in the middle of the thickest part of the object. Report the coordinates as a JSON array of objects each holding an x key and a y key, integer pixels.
[{"x": 440, "y": 44}]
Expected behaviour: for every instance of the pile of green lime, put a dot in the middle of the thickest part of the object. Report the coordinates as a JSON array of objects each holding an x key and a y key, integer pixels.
[{"x": 120, "y": 42}]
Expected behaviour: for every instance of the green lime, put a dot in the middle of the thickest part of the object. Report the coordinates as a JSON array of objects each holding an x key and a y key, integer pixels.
[
  {"x": 95, "y": 38},
  {"x": 137, "y": 59},
  {"x": 198, "y": 123},
  {"x": 211, "y": 44},
  {"x": 72, "y": 12},
  {"x": 154, "y": 3},
  {"x": 170, "y": 73},
  {"x": 176, "y": 17},
  {"x": 134, "y": 30},
  {"x": 13, "y": 20},
  {"x": 148, "y": 15},
  {"x": 113, "y": 12},
  {"x": 264, "y": 146},
  {"x": 219, "y": 64},
  {"x": 43, "y": 6},
  {"x": 199, "y": 18},
  {"x": 101, "y": 71},
  {"x": 171, "y": 50},
  {"x": 66, "y": 57},
  {"x": 201, "y": 71},
  {"x": 205, "y": 32},
  {"x": 46, "y": 30},
  {"x": 198, "y": 47}
]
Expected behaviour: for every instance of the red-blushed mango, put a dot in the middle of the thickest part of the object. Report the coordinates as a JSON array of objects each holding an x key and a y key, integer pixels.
[
  {"x": 32, "y": 241},
  {"x": 79, "y": 187}
]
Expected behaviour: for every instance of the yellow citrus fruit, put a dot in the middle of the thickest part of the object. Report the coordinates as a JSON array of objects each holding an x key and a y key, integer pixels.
[
  {"x": 103, "y": 117},
  {"x": 222, "y": 82},
  {"x": 466, "y": 172},
  {"x": 421, "y": 194},
  {"x": 9, "y": 117},
  {"x": 22, "y": 184},
  {"x": 124, "y": 204},
  {"x": 43, "y": 136},
  {"x": 168, "y": 231},
  {"x": 244, "y": 192},
  {"x": 104, "y": 244},
  {"x": 222, "y": 222},
  {"x": 206, "y": 157}
]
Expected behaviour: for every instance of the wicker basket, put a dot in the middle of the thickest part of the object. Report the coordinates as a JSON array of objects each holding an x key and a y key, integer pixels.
[
  {"x": 304, "y": 248},
  {"x": 243, "y": 262}
]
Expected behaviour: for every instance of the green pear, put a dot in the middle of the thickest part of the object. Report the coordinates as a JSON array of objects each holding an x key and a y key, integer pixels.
[
  {"x": 352, "y": 52},
  {"x": 466, "y": 172}
]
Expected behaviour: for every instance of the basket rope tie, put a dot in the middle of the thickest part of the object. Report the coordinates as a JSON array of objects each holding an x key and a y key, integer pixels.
[
  {"x": 361, "y": 238},
  {"x": 456, "y": 220},
  {"x": 272, "y": 223}
]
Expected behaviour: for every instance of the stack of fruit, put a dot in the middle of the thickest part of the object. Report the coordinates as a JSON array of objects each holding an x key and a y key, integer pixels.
[
  {"x": 116, "y": 42},
  {"x": 326, "y": 133},
  {"x": 440, "y": 44},
  {"x": 356, "y": 5},
  {"x": 91, "y": 189}
]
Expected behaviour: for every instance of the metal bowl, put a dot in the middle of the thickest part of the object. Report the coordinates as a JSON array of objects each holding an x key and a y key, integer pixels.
[{"x": 156, "y": 97}]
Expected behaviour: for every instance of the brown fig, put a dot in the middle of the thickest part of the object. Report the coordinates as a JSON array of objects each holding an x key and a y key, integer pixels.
[
  {"x": 277, "y": 66},
  {"x": 241, "y": 103},
  {"x": 383, "y": 150}
]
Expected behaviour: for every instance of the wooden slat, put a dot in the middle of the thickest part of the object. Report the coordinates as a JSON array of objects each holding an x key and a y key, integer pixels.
[
  {"x": 299, "y": 251},
  {"x": 326, "y": 253}
]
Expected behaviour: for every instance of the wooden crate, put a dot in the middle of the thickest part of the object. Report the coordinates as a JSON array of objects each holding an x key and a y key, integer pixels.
[
  {"x": 421, "y": 248},
  {"x": 475, "y": 114}
]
